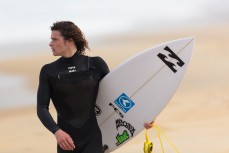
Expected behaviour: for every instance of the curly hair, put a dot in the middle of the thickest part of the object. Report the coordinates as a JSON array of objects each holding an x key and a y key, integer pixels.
[{"x": 70, "y": 31}]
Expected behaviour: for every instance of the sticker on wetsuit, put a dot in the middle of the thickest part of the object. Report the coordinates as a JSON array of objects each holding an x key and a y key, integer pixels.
[{"x": 124, "y": 102}]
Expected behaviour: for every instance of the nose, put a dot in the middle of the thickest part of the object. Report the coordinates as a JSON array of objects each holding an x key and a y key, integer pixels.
[{"x": 51, "y": 43}]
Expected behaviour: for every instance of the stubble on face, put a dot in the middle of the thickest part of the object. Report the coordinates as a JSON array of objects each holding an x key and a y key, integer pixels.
[{"x": 57, "y": 44}]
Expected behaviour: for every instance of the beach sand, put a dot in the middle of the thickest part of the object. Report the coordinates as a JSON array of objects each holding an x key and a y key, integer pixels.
[{"x": 196, "y": 118}]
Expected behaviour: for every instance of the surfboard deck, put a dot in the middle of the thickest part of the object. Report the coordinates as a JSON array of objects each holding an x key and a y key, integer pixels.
[{"x": 137, "y": 90}]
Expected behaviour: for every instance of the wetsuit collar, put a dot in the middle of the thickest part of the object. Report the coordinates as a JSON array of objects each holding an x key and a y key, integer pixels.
[
  {"x": 75, "y": 54},
  {"x": 73, "y": 59}
]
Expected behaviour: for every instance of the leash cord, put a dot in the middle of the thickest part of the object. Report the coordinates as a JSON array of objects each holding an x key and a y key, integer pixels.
[{"x": 159, "y": 133}]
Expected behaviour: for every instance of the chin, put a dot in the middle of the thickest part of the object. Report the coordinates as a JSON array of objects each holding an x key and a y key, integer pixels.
[{"x": 55, "y": 54}]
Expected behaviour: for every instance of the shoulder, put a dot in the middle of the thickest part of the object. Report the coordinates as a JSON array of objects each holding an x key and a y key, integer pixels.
[
  {"x": 97, "y": 61},
  {"x": 52, "y": 64},
  {"x": 47, "y": 67},
  {"x": 99, "y": 64},
  {"x": 96, "y": 58}
]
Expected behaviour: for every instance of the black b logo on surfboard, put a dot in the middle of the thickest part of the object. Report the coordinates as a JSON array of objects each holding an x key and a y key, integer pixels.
[{"x": 171, "y": 54}]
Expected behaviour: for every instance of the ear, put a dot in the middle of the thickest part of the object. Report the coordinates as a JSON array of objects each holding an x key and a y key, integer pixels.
[{"x": 69, "y": 41}]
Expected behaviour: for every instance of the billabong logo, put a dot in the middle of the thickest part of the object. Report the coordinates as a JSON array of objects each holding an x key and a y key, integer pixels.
[
  {"x": 124, "y": 102},
  {"x": 98, "y": 110},
  {"x": 71, "y": 69},
  {"x": 171, "y": 55}
]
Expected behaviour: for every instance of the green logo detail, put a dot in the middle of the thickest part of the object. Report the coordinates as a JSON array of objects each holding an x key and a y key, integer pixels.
[{"x": 122, "y": 138}]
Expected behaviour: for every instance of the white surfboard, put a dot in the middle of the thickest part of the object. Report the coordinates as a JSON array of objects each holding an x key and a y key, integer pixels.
[{"x": 136, "y": 91}]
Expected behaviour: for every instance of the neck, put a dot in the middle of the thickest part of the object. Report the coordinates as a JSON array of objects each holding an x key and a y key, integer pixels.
[{"x": 70, "y": 53}]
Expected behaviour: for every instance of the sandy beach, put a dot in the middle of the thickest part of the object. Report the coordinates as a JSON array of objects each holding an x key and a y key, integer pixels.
[{"x": 196, "y": 119}]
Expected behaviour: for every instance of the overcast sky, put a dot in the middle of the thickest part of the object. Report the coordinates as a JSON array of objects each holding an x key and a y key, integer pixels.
[{"x": 23, "y": 21}]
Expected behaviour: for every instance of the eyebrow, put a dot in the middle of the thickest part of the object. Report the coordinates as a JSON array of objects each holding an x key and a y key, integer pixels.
[{"x": 54, "y": 38}]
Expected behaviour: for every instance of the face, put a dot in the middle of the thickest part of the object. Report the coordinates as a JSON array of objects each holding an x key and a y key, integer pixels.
[{"x": 58, "y": 45}]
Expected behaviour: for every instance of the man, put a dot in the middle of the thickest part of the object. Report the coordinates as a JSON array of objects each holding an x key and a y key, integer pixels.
[{"x": 71, "y": 82}]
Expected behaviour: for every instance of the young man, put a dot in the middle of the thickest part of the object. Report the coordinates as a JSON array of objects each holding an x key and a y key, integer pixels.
[{"x": 71, "y": 82}]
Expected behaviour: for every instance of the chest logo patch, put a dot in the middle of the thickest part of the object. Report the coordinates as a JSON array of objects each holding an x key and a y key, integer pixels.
[{"x": 71, "y": 69}]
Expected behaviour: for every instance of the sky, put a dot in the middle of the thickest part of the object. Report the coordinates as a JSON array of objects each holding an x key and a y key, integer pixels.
[{"x": 26, "y": 22}]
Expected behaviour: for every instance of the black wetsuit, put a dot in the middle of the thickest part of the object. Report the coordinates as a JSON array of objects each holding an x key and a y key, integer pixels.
[{"x": 72, "y": 85}]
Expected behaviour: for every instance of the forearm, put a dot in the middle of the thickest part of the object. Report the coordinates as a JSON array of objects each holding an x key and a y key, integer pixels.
[{"x": 46, "y": 119}]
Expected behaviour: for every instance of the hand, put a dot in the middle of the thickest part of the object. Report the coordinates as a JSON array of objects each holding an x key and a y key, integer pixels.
[
  {"x": 148, "y": 125},
  {"x": 64, "y": 140}
]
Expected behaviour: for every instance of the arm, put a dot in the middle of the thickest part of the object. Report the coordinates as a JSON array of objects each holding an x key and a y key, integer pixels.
[{"x": 43, "y": 100}]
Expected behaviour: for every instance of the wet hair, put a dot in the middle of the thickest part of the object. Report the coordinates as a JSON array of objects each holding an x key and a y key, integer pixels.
[{"x": 71, "y": 31}]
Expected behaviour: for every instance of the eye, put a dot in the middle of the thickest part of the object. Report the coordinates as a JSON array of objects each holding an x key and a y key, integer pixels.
[{"x": 54, "y": 39}]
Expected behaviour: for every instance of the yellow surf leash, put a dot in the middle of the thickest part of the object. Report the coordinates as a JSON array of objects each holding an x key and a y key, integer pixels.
[{"x": 148, "y": 146}]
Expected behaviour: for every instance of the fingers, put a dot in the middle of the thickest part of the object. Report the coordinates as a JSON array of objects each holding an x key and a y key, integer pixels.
[
  {"x": 148, "y": 125},
  {"x": 64, "y": 140},
  {"x": 65, "y": 145},
  {"x": 152, "y": 123},
  {"x": 70, "y": 143}
]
